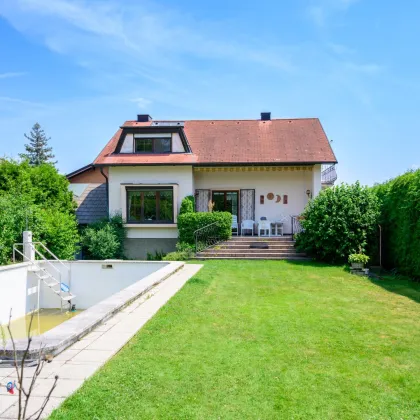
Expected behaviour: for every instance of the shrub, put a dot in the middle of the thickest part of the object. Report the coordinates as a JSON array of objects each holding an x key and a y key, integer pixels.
[
  {"x": 157, "y": 256},
  {"x": 111, "y": 232},
  {"x": 101, "y": 243},
  {"x": 399, "y": 201},
  {"x": 187, "y": 205},
  {"x": 188, "y": 223},
  {"x": 183, "y": 252},
  {"x": 358, "y": 258},
  {"x": 340, "y": 221}
]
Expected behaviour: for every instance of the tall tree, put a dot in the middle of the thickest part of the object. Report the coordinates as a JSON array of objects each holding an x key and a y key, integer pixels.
[{"x": 38, "y": 151}]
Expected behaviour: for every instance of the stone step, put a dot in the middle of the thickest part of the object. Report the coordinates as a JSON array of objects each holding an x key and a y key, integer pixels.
[
  {"x": 254, "y": 258},
  {"x": 249, "y": 251},
  {"x": 250, "y": 254},
  {"x": 262, "y": 238},
  {"x": 236, "y": 245}
]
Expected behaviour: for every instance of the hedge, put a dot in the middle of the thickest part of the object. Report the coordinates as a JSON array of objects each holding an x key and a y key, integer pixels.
[
  {"x": 188, "y": 223},
  {"x": 187, "y": 205},
  {"x": 400, "y": 220}
]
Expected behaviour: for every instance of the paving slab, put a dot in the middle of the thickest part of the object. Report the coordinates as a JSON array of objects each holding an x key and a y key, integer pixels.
[
  {"x": 35, "y": 403},
  {"x": 96, "y": 356},
  {"x": 64, "y": 387}
]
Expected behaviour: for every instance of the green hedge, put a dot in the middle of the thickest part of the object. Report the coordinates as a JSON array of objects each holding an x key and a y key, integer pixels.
[
  {"x": 188, "y": 223},
  {"x": 340, "y": 221},
  {"x": 187, "y": 205},
  {"x": 400, "y": 220}
]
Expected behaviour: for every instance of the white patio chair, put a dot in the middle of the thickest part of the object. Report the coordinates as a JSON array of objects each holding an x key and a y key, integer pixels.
[
  {"x": 247, "y": 225},
  {"x": 235, "y": 224},
  {"x": 265, "y": 226}
]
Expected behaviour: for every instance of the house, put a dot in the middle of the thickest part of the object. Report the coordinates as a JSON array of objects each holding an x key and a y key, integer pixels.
[{"x": 251, "y": 168}]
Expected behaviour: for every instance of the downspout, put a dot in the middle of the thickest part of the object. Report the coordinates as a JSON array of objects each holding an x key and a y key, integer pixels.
[{"x": 107, "y": 189}]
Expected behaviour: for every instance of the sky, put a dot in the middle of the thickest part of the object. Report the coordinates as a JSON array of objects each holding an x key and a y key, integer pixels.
[{"x": 82, "y": 67}]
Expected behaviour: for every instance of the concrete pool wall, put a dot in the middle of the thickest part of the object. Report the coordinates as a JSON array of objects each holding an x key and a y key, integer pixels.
[{"x": 102, "y": 288}]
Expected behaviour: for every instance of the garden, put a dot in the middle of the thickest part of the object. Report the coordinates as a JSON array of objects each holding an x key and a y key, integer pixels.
[{"x": 267, "y": 339}]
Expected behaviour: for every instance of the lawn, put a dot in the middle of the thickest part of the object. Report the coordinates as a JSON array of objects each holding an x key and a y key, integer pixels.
[{"x": 265, "y": 340}]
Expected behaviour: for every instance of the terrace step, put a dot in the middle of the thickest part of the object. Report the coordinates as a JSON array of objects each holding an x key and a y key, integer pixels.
[
  {"x": 279, "y": 248},
  {"x": 254, "y": 258}
]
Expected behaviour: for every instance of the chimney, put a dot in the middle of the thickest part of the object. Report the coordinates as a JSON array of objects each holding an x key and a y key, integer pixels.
[
  {"x": 143, "y": 118},
  {"x": 265, "y": 116}
]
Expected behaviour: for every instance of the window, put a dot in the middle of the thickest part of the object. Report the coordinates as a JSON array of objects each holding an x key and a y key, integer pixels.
[
  {"x": 153, "y": 145},
  {"x": 150, "y": 205}
]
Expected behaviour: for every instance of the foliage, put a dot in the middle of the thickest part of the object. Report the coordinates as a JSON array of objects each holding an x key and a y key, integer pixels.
[
  {"x": 358, "y": 259},
  {"x": 340, "y": 221},
  {"x": 157, "y": 256},
  {"x": 183, "y": 252},
  {"x": 38, "y": 151},
  {"x": 36, "y": 199},
  {"x": 104, "y": 239},
  {"x": 187, "y": 205},
  {"x": 400, "y": 220},
  {"x": 188, "y": 223},
  {"x": 267, "y": 340}
]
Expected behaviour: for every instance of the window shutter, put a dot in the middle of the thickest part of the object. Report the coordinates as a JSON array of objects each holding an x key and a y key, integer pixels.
[{"x": 202, "y": 199}]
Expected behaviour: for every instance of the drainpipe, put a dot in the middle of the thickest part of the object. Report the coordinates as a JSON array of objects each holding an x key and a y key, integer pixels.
[{"x": 107, "y": 189}]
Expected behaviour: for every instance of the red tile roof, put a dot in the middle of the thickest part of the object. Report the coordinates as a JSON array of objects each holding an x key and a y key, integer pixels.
[{"x": 277, "y": 141}]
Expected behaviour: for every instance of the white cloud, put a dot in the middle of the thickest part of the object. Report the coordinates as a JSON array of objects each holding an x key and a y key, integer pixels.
[
  {"x": 11, "y": 74},
  {"x": 321, "y": 11},
  {"x": 133, "y": 32},
  {"x": 141, "y": 103}
]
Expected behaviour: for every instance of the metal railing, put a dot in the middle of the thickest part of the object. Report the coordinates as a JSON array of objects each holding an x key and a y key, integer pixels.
[
  {"x": 329, "y": 175},
  {"x": 207, "y": 236},
  {"x": 296, "y": 226}
]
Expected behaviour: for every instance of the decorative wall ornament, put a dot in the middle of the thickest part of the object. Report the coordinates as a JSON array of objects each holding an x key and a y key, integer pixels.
[
  {"x": 261, "y": 199},
  {"x": 270, "y": 196},
  {"x": 285, "y": 198},
  {"x": 278, "y": 198}
]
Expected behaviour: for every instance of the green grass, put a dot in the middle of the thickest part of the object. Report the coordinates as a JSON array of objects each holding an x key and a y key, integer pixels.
[{"x": 267, "y": 340}]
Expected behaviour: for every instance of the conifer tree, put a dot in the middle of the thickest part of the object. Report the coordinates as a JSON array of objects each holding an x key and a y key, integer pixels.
[{"x": 38, "y": 151}]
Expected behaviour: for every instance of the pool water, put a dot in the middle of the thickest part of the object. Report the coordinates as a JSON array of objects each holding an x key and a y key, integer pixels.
[{"x": 44, "y": 320}]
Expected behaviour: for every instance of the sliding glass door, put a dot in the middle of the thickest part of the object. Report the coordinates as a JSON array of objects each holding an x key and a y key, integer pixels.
[{"x": 226, "y": 201}]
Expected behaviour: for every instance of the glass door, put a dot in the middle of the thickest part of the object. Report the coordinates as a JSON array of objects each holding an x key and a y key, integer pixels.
[{"x": 226, "y": 201}]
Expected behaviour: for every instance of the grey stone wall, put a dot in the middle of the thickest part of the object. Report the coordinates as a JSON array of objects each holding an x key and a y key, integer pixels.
[{"x": 137, "y": 249}]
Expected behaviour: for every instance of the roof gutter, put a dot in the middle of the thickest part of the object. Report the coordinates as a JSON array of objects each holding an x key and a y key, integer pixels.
[{"x": 101, "y": 168}]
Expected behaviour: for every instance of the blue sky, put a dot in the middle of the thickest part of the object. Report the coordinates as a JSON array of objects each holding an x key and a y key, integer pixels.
[{"x": 81, "y": 68}]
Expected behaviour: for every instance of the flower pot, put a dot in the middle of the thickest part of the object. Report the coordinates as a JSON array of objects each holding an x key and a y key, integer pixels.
[{"x": 357, "y": 266}]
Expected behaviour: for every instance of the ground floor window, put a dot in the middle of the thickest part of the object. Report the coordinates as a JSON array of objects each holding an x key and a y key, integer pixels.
[
  {"x": 226, "y": 201},
  {"x": 150, "y": 205}
]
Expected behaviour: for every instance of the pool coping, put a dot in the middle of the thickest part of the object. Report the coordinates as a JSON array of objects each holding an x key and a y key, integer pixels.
[{"x": 62, "y": 336}]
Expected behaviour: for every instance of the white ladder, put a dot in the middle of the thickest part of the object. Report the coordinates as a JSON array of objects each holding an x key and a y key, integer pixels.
[{"x": 52, "y": 281}]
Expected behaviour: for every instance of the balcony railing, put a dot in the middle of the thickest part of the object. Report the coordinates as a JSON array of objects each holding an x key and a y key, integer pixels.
[{"x": 329, "y": 175}]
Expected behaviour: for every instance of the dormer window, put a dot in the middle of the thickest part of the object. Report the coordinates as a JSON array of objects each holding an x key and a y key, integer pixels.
[{"x": 153, "y": 145}]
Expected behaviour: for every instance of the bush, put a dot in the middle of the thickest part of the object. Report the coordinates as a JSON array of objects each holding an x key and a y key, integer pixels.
[
  {"x": 188, "y": 223},
  {"x": 183, "y": 252},
  {"x": 187, "y": 205},
  {"x": 358, "y": 258},
  {"x": 399, "y": 201},
  {"x": 340, "y": 221},
  {"x": 112, "y": 234}
]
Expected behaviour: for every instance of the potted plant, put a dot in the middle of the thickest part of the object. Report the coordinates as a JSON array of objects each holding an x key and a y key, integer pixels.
[{"x": 358, "y": 261}]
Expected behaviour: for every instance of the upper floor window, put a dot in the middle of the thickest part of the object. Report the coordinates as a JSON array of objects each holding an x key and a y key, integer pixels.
[{"x": 153, "y": 145}]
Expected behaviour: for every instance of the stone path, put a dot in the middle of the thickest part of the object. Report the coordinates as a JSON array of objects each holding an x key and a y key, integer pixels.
[{"x": 81, "y": 360}]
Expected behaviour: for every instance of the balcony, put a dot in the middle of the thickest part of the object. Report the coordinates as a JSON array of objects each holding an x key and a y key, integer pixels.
[{"x": 328, "y": 175}]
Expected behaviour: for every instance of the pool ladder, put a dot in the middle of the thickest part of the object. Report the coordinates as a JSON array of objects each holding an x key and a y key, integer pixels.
[{"x": 52, "y": 281}]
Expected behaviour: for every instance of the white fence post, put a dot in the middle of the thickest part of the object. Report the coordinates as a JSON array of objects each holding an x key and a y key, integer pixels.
[{"x": 28, "y": 249}]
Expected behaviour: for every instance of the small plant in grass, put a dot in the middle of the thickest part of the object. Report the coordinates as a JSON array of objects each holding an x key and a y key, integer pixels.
[{"x": 358, "y": 260}]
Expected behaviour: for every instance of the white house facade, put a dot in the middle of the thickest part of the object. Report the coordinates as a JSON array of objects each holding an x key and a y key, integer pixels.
[{"x": 252, "y": 168}]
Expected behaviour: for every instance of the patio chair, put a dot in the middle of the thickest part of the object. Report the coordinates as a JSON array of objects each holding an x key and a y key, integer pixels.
[
  {"x": 235, "y": 224},
  {"x": 247, "y": 225},
  {"x": 265, "y": 226}
]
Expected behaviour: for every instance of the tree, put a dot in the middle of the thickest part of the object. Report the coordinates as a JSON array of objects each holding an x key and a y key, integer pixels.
[{"x": 37, "y": 151}]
